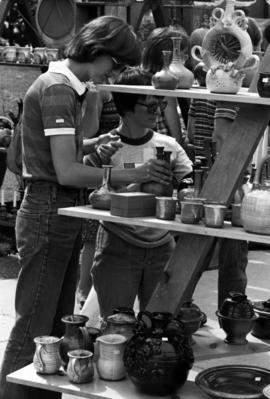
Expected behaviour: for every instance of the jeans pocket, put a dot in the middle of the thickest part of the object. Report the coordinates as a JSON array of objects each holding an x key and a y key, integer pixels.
[{"x": 27, "y": 232}]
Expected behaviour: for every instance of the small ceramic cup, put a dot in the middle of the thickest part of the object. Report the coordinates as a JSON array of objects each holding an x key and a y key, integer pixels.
[
  {"x": 165, "y": 208},
  {"x": 236, "y": 215},
  {"x": 214, "y": 215},
  {"x": 80, "y": 369},
  {"x": 191, "y": 210}
]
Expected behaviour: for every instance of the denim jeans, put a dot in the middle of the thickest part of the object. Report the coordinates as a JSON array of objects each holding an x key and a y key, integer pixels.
[
  {"x": 49, "y": 247},
  {"x": 121, "y": 271}
]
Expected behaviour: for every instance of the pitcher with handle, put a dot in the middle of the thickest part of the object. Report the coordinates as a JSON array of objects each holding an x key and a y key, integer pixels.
[
  {"x": 76, "y": 336},
  {"x": 47, "y": 358}
]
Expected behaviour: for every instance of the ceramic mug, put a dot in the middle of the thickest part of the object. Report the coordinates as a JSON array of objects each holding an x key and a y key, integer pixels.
[
  {"x": 9, "y": 54},
  {"x": 40, "y": 55},
  {"x": 165, "y": 208},
  {"x": 47, "y": 357},
  {"x": 191, "y": 210},
  {"x": 80, "y": 368},
  {"x": 214, "y": 215},
  {"x": 52, "y": 54},
  {"x": 24, "y": 55}
]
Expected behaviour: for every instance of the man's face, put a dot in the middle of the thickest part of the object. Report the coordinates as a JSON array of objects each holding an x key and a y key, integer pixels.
[{"x": 103, "y": 69}]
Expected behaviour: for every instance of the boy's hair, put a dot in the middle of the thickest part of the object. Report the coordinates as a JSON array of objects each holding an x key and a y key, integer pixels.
[
  {"x": 161, "y": 39},
  {"x": 125, "y": 102},
  {"x": 266, "y": 32},
  {"x": 106, "y": 35}
]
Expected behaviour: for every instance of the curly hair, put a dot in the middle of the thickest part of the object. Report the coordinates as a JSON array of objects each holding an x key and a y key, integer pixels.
[{"x": 106, "y": 35}]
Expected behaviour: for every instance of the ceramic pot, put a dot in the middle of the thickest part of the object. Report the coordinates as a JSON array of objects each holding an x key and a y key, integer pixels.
[
  {"x": 220, "y": 81},
  {"x": 47, "y": 358},
  {"x": 76, "y": 336},
  {"x": 184, "y": 76},
  {"x": 24, "y": 54},
  {"x": 261, "y": 327},
  {"x": 165, "y": 79},
  {"x": 159, "y": 356},
  {"x": 263, "y": 84},
  {"x": 110, "y": 365},
  {"x": 122, "y": 321},
  {"x": 9, "y": 54},
  {"x": 237, "y": 306},
  {"x": 191, "y": 317},
  {"x": 236, "y": 329},
  {"x": 80, "y": 368},
  {"x": 255, "y": 210},
  {"x": 191, "y": 210},
  {"x": 101, "y": 198},
  {"x": 40, "y": 55}
]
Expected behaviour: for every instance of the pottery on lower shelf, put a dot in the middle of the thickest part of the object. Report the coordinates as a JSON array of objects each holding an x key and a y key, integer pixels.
[
  {"x": 159, "y": 356},
  {"x": 261, "y": 327},
  {"x": 236, "y": 317}
]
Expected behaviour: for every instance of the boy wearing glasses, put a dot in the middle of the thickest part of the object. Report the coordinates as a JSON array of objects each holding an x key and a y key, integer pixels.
[{"x": 129, "y": 260}]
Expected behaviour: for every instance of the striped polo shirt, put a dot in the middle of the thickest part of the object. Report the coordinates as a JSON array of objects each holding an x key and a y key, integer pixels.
[{"x": 52, "y": 106}]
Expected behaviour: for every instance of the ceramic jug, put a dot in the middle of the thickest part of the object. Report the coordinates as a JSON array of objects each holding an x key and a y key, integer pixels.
[
  {"x": 159, "y": 355},
  {"x": 101, "y": 197},
  {"x": 80, "y": 368},
  {"x": 110, "y": 365},
  {"x": 9, "y": 54},
  {"x": 52, "y": 54},
  {"x": 255, "y": 210},
  {"x": 76, "y": 336},
  {"x": 40, "y": 55},
  {"x": 122, "y": 321},
  {"x": 47, "y": 358}
]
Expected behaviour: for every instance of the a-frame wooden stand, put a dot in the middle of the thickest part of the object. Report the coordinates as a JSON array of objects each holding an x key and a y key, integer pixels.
[{"x": 188, "y": 260}]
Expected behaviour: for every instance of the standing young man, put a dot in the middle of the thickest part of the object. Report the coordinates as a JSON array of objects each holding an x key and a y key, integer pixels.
[{"x": 49, "y": 244}]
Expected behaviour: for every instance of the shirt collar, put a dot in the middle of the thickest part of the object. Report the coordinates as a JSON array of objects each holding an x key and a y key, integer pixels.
[{"x": 60, "y": 67}]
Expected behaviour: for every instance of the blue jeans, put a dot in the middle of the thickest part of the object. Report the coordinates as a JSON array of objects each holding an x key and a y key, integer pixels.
[
  {"x": 49, "y": 247},
  {"x": 121, "y": 271}
]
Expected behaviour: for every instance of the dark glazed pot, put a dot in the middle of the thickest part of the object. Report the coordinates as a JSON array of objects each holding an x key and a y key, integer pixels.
[
  {"x": 263, "y": 85},
  {"x": 261, "y": 327},
  {"x": 159, "y": 356}
]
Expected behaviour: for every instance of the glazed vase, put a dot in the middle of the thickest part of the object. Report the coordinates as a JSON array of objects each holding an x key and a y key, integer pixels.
[
  {"x": 165, "y": 79},
  {"x": 101, "y": 197},
  {"x": 76, "y": 336},
  {"x": 177, "y": 68},
  {"x": 47, "y": 358},
  {"x": 122, "y": 321},
  {"x": 159, "y": 355}
]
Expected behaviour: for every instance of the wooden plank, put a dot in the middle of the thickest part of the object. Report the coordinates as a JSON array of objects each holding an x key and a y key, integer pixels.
[
  {"x": 236, "y": 233},
  {"x": 98, "y": 389},
  {"x": 241, "y": 141},
  {"x": 243, "y": 96}
]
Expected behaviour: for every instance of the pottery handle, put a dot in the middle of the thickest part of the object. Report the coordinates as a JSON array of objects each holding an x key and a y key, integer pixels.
[
  {"x": 86, "y": 338},
  {"x": 39, "y": 357},
  {"x": 194, "y": 51},
  {"x": 217, "y": 14},
  {"x": 251, "y": 63}
]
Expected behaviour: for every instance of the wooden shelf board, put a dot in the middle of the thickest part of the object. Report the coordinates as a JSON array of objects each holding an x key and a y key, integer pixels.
[
  {"x": 236, "y": 233},
  {"x": 243, "y": 95}
]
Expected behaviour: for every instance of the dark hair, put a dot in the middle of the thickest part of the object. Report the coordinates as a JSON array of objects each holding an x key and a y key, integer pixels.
[
  {"x": 161, "y": 39},
  {"x": 107, "y": 35},
  {"x": 125, "y": 102},
  {"x": 266, "y": 32},
  {"x": 254, "y": 32}
]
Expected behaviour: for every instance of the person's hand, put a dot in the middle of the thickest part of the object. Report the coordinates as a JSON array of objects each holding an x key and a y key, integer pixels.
[
  {"x": 106, "y": 151},
  {"x": 107, "y": 138},
  {"x": 5, "y": 137},
  {"x": 154, "y": 170}
]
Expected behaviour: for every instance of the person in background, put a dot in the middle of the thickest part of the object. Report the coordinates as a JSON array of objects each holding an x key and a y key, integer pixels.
[
  {"x": 129, "y": 260},
  {"x": 169, "y": 121},
  {"x": 206, "y": 120},
  {"x": 49, "y": 244}
]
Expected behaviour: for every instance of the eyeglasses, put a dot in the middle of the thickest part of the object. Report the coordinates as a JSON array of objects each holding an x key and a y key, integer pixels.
[{"x": 152, "y": 108}]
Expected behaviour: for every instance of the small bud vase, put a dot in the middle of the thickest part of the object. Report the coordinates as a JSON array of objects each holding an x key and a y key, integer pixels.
[{"x": 165, "y": 79}]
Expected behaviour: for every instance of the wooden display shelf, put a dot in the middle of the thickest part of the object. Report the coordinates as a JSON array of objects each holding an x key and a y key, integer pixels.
[
  {"x": 243, "y": 96},
  {"x": 236, "y": 233}
]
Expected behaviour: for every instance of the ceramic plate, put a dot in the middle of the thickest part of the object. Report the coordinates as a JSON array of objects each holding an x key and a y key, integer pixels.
[{"x": 234, "y": 382}]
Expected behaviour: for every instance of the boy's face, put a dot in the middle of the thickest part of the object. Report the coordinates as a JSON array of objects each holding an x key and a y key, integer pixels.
[
  {"x": 147, "y": 109},
  {"x": 102, "y": 69}
]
